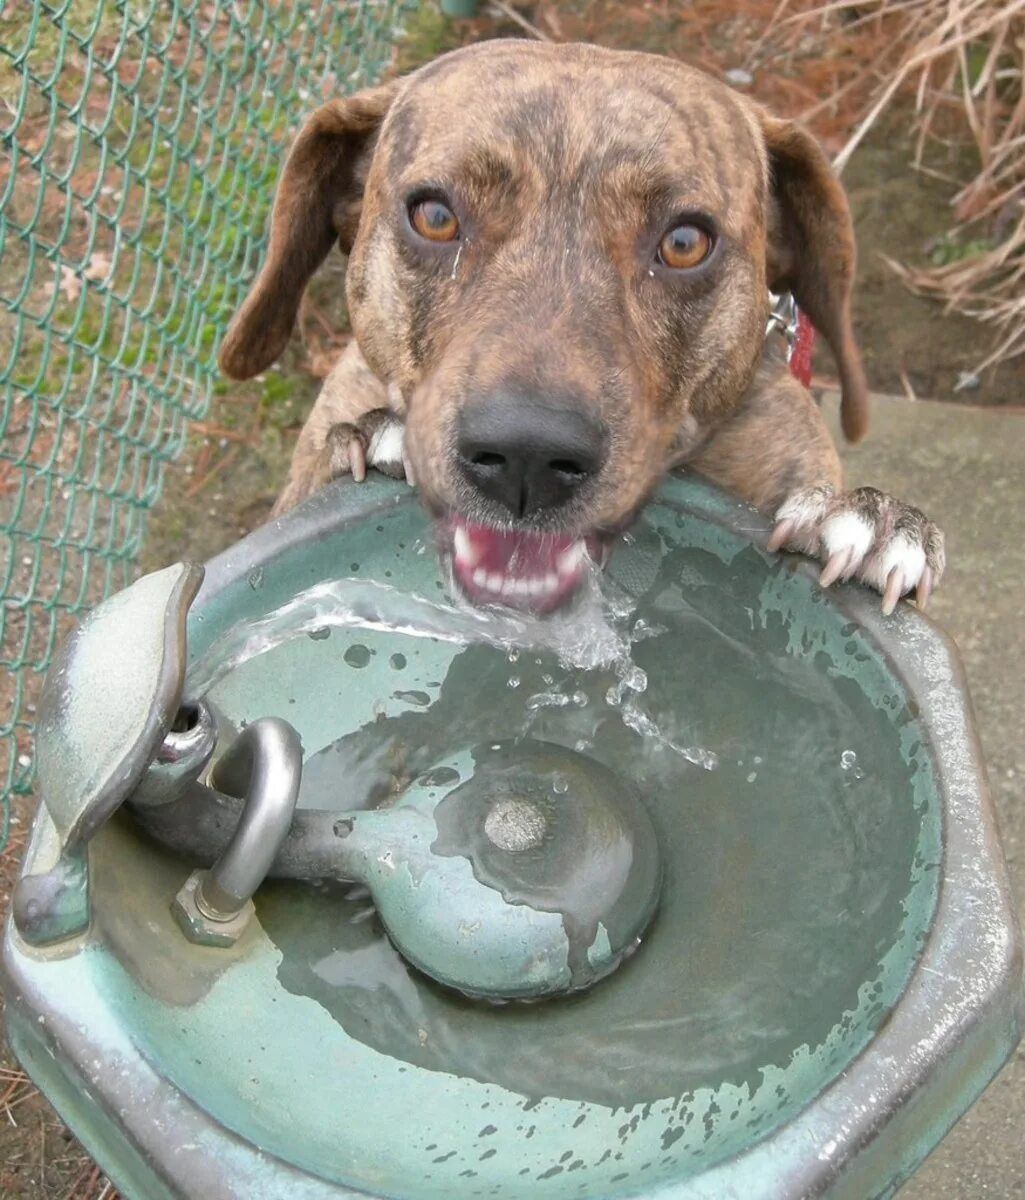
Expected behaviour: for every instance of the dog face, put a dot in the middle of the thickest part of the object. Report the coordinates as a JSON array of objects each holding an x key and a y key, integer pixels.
[{"x": 559, "y": 257}]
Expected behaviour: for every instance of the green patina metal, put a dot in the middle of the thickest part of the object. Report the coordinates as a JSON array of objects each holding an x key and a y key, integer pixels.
[
  {"x": 110, "y": 699},
  {"x": 140, "y": 147},
  {"x": 264, "y": 1058}
]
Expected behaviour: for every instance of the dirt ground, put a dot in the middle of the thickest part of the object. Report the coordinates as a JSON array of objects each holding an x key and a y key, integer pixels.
[{"x": 224, "y": 486}]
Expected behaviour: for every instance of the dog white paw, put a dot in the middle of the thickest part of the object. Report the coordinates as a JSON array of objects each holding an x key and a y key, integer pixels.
[
  {"x": 866, "y": 535},
  {"x": 377, "y": 439}
]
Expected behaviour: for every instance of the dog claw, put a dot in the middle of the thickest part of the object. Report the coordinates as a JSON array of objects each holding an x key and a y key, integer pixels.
[
  {"x": 357, "y": 460},
  {"x": 781, "y": 534},
  {"x": 408, "y": 467},
  {"x": 836, "y": 566},
  {"x": 924, "y": 590},
  {"x": 894, "y": 590}
]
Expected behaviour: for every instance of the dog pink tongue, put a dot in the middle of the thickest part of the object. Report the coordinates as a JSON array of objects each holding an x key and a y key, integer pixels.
[{"x": 516, "y": 568}]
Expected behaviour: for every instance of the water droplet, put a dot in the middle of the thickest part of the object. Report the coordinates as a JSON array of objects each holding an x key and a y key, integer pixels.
[
  {"x": 560, "y": 785},
  {"x": 849, "y": 765},
  {"x": 514, "y": 681},
  {"x": 582, "y": 746},
  {"x": 513, "y": 656},
  {"x": 398, "y": 661},
  {"x": 357, "y": 655},
  {"x": 642, "y": 630},
  {"x": 547, "y": 700}
]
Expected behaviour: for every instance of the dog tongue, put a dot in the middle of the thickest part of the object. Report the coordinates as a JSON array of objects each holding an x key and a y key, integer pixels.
[
  {"x": 514, "y": 567},
  {"x": 524, "y": 554}
]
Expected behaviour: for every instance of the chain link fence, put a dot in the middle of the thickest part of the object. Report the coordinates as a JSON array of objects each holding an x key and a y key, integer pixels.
[{"x": 139, "y": 146}]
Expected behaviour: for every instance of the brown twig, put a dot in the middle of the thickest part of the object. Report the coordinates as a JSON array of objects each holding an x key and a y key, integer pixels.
[
  {"x": 222, "y": 431},
  {"x": 510, "y": 13},
  {"x": 198, "y": 484},
  {"x": 964, "y": 63}
]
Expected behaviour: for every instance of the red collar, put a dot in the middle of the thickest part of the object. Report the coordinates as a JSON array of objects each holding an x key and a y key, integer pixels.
[{"x": 804, "y": 344}]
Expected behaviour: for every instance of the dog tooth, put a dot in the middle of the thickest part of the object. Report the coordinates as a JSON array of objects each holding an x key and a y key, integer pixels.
[
  {"x": 463, "y": 546},
  {"x": 570, "y": 559},
  {"x": 480, "y": 578},
  {"x": 535, "y": 587},
  {"x": 523, "y": 587},
  {"x": 494, "y": 582},
  {"x": 551, "y": 581},
  {"x": 509, "y": 587}
]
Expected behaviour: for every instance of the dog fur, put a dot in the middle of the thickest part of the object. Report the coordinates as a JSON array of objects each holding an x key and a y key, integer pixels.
[{"x": 564, "y": 165}]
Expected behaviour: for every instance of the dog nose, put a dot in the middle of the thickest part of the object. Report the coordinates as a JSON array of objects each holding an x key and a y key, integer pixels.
[{"x": 527, "y": 454}]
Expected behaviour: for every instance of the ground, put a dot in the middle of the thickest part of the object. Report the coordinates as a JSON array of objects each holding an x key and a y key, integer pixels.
[{"x": 957, "y": 461}]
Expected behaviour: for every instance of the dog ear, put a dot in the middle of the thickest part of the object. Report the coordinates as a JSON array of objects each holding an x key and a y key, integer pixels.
[
  {"x": 811, "y": 253},
  {"x": 317, "y": 202}
]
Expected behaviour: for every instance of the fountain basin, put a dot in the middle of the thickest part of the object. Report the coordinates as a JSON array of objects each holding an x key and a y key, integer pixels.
[{"x": 833, "y": 975}]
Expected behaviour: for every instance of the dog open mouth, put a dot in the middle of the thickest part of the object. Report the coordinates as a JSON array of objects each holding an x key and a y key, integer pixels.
[{"x": 535, "y": 572}]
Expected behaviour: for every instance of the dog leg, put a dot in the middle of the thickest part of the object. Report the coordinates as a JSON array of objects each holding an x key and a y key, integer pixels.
[
  {"x": 353, "y": 425},
  {"x": 777, "y": 454}
]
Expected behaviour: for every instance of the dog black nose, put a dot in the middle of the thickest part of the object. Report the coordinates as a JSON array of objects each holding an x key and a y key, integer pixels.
[{"x": 528, "y": 454}]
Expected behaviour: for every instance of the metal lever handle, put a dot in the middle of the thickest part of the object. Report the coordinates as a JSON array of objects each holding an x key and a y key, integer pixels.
[{"x": 264, "y": 766}]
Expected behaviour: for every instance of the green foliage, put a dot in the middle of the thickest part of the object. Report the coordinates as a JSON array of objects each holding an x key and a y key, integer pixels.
[
  {"x": 428, "y": 33},
  {"x": 950, "y": 249}
]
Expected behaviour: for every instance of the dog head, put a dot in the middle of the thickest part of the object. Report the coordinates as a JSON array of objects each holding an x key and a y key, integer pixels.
[{"x": 560, "y": 257}]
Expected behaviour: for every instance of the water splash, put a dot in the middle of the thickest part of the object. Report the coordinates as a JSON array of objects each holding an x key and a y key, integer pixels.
[{"x": 595, "y": 634}]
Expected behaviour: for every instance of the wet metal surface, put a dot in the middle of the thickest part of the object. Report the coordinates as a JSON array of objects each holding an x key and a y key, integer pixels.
[{"x": 955, "y": 1023}]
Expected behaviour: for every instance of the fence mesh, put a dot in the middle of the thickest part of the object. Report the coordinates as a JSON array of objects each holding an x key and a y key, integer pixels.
[{"x": 139, "y": 146}]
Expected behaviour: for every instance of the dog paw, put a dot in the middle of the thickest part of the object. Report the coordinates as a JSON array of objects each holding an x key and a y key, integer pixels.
[
  {"x": 864, "y": 535},
  {"x": 376, "y": 440}
]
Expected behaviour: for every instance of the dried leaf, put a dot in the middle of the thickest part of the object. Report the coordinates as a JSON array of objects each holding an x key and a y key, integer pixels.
[
  {"x": 70, "y": 285},
  {"x": 99, "y": 267}
]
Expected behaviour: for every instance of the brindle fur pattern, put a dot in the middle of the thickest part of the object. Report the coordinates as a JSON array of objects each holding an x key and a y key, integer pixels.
[{"x": 564, "y": 164}]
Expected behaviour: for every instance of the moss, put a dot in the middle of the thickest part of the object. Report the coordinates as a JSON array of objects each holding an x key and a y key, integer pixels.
[
  {"x": 277, "y": 387},
  {"x": 950, "y": 249},
  {"x": 428, "y": 33}
]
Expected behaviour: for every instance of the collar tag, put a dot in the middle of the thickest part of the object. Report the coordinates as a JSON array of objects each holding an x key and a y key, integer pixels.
[{"x": 783, "y": 319}]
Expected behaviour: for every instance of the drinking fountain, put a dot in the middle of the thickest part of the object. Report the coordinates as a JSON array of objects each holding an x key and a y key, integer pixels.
[{"x": 339, "y": 887}]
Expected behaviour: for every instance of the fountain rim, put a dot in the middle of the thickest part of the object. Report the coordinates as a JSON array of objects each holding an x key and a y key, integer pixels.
[{"x": 864, "y": 1118}]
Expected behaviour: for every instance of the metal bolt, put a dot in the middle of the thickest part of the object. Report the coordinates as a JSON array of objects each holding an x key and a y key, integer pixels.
[{"x": 200, "y": 927}]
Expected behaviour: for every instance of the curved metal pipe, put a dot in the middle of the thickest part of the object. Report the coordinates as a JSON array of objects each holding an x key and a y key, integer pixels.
[
  {"x": 264, "y": 766},
  {"x": 200, "y": 824},
  {"x": 181, "y": 759}
]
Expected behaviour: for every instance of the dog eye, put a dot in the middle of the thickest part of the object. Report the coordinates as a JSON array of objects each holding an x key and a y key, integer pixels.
[
  {"x": 434, "y": 221},
  {"x": 684, "y": 247}
]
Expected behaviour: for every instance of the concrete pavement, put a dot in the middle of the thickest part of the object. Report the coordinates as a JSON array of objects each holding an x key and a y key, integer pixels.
[{"x": 966, "y": 468}]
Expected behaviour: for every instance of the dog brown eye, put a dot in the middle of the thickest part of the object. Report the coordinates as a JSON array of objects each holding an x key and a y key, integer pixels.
[
  {"x": 684, "y": 247},
  {"x": 434, "y": 221}
]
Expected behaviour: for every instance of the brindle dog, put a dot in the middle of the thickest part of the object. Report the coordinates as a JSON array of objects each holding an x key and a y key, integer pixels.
[{"x": 559, "y": 263}]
